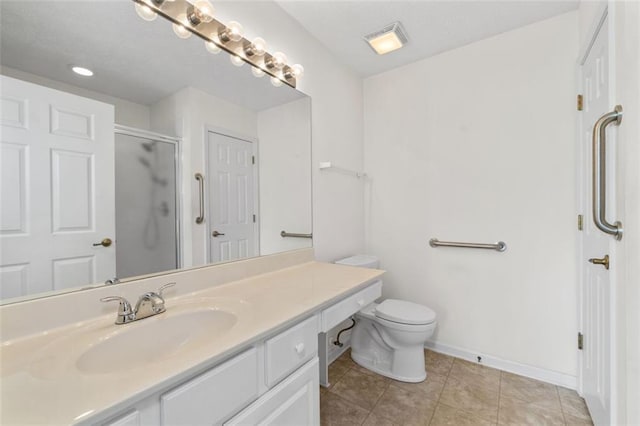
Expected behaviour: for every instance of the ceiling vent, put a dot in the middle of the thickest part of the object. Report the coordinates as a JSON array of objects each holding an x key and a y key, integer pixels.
[{"x": 390, "y": 38}]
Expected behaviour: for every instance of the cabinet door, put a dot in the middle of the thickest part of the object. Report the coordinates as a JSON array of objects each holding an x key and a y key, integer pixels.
[
  {"x": 215, "y": 395},
  {"x": 294, "y": 402}
]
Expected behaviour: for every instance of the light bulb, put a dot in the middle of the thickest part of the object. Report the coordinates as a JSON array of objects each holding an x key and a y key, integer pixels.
[
  {"x": 276, "y": 82},
  {"x": 278, "y": 60},
  {"x": 85, "y": 72},
  {"x": 257, "y": 47},
  {"x": 233, "y": 32},
  {"x": 212, "y": 47},
  {"x": 297, "y": 71},
  {"x": 204, "y": 10},
  {"x": 145, "y": 12},
  {"x": 180, "y": 29},
  {"x": 236, "y": 60},
  {"x": 257, "y": 72}
]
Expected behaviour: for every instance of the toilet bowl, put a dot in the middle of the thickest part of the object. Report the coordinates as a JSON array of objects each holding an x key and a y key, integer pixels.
[{"x": 389, "y": 337}]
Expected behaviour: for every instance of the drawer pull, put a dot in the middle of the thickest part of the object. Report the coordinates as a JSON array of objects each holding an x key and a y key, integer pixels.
[
  {"x": 299, "y": 348},
  {"x": 361, "y": 303}
]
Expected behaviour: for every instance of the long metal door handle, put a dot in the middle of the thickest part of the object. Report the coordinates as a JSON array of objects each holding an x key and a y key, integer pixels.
[
  {"x": 599, "y": 173},
  {"x": 200, "y": 180}
]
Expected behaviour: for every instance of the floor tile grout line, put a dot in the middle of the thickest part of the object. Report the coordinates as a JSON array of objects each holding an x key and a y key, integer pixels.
[
  {"x": 377, "y": 401},
  {"x": 352, "y": 402},
  {"x": 441, "y": 391},
  {"x": 499, "y": 398},
  {"x": 564, "y": 417}
]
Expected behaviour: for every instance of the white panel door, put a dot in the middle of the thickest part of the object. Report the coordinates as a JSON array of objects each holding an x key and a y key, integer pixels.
[
  {"x": 231, "y": 198},
  {"x": 56, "y": 190},
  {"x": 596, "y": 280}
]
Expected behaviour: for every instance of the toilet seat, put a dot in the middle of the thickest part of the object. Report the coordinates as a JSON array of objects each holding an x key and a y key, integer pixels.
[{"x": 403, "y": 312}]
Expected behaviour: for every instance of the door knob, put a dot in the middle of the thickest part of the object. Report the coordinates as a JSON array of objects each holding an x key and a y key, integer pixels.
[
  {"x": 216, "y": 234},
  {"x": 104, "y": 243},
  {"x": 604, "y": 261}
]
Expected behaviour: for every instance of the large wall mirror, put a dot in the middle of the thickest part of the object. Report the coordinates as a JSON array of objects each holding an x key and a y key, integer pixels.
[{"x": 167, "y": 157}]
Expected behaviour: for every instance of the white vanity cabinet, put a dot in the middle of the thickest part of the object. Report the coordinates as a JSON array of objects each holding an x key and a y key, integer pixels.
[
  {"x": 282, "y": 368},
  {"x": 274, "y": 381}
]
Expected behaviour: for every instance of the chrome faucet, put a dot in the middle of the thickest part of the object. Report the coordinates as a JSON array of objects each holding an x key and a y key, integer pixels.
[{"x": 149, "y": 304}]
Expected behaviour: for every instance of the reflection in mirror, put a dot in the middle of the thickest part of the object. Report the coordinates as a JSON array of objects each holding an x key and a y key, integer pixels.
[{"x": 98, "y": 172}]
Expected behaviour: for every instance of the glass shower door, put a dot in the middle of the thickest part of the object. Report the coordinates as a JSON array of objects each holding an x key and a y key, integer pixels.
[{"x": 146, "y": 205}]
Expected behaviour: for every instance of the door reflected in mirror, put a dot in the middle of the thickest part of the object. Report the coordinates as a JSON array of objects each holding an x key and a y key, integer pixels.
[{"x": 113, "y": 156}]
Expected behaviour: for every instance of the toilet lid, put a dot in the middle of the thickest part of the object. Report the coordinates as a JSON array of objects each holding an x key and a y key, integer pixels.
[{"x": 404, "y": 312}]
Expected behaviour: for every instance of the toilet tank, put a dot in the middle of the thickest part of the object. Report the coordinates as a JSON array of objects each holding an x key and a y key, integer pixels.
[{"x": 361, "y": 260}]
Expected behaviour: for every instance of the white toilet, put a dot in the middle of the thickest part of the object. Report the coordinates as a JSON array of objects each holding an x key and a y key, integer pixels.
[{"x": 389, "y": 337}]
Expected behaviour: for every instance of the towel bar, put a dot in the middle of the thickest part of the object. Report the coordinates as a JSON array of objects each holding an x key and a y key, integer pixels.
[{"x": 499, "y": 246}]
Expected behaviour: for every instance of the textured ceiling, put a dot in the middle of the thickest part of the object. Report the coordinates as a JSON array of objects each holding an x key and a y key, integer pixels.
[
  {"x": 432, "y": 26},
  {"x": 136, "y": 60}
]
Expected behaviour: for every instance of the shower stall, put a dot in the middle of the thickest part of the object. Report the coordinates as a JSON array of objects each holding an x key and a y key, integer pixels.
[{"x": 147, "y": 203}]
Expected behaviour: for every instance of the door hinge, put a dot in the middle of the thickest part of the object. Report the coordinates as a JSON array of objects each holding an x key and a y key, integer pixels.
[
  {"x": 253, "y": 159},
  {"x": 580, "y": 341},
  {"x": 580, "y": 219},
  {"x": 254, "y": 218},
  {"x": 580, "y": 100}
]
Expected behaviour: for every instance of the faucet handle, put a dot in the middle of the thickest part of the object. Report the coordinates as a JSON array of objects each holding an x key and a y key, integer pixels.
[
  {"x": 125, "y": 312},
  {"x": 164, "y": 287}
]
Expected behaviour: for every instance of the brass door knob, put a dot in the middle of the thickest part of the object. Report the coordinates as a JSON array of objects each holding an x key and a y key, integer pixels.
[
  {"x": 104, "y": 243},
  {"x": 216, "y": 234},
  {"x": 604, "y": 261}
]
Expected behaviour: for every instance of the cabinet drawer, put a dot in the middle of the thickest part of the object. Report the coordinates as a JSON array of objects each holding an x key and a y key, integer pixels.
[
  {"x": 215, "y": 395},
  {"x": 342, "y": 310},
  {"x": 290, "y": 349}
]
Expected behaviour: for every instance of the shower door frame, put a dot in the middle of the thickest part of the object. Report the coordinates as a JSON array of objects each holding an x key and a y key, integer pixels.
[{"x": 177, "y": 142}]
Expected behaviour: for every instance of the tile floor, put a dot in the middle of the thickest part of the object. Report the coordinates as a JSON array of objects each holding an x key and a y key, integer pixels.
[{"x": 456, "y": 392}]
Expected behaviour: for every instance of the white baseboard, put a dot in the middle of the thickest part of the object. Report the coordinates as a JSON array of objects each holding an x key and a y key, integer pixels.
[{"x": 553, "y": 377}]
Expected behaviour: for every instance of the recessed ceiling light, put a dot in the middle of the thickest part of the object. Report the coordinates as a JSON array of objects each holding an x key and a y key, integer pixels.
[
  {"x": 85, "y": 72},
  {"x": 390, "y": 38}
]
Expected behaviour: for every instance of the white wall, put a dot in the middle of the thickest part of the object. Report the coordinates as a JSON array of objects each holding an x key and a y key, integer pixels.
[
  {"x": 336, "y": 94},
  {"x": 284, "y": 162},
  {"x": 477, "y": 144},
  {"x": 126, "y": 113}
]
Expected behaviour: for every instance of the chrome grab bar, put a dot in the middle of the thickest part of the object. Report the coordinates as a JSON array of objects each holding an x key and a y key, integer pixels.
[
  {"x": 499, "y": 246},
  {"x": 200, "y": 180},
  {"x": 284, "y": 234},
  {"x": 599, "y": 173}
]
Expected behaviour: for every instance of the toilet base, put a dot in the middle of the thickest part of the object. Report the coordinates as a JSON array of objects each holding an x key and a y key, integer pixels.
[{"x": 384, "y": 369}]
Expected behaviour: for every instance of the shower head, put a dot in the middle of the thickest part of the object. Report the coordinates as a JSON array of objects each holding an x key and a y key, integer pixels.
[{"x": 148, "y": 146}]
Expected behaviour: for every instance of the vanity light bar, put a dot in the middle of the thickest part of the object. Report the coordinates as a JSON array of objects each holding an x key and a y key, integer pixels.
[{"x": 228, "y": 38}]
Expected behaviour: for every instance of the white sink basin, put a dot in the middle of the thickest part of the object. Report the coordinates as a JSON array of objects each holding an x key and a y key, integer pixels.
[
  {"x": 137, "y": 344},
  {"x": 101, "y": 347}
]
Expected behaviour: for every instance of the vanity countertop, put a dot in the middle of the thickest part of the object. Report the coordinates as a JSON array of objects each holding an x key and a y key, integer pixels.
[{"x": 42, "y": 381}]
